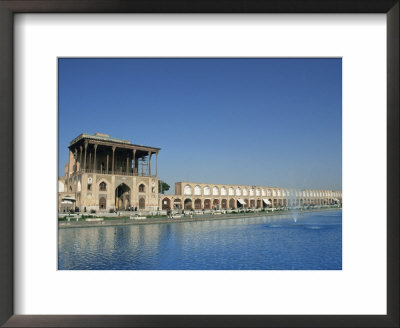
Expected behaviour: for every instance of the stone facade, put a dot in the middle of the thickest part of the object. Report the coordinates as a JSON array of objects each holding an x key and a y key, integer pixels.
[
  {"x": 192, "y": 195},
  {"x": 106, "y": 174}
]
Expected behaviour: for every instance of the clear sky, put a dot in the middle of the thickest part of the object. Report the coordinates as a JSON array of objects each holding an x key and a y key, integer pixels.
[{"x": 269, "y": 122}]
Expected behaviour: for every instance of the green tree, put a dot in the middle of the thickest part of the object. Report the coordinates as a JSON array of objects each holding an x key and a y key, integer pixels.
[{"x": 162, "y": 186}]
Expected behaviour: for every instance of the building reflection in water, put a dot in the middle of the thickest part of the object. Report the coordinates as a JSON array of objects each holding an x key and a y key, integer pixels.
[{"x": 271, "y": 242}]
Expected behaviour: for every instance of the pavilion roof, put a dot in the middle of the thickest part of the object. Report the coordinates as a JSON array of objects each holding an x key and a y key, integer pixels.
[{"x": 105, "y": 138}]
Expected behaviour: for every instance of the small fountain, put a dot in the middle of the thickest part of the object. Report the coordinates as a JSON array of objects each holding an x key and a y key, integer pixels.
[{"x": 292, "y": 207}]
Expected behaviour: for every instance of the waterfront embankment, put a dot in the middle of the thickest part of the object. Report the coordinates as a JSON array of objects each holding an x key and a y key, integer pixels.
[{"x": 132, "y": 220}]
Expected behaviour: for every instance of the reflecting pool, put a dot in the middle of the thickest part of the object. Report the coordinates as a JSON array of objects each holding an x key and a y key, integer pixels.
[{"x": 307, "y": 241}]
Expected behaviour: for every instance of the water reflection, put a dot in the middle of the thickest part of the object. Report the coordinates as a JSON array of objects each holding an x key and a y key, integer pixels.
[{"x": 314, "y": 242}]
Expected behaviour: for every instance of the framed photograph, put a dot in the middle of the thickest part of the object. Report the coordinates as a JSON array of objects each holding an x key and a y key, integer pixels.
[
  {"x": 194, "y": 220},
  {"x": 199, "y": 164}
]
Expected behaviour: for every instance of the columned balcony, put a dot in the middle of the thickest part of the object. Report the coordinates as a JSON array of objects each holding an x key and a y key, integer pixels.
[{"x": 118, "y": 172}]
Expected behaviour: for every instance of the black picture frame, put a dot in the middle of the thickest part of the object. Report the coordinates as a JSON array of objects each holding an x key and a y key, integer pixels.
[{"x": 10, "y": 7}]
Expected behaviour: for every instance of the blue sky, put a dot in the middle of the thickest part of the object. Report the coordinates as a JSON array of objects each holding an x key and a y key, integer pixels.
[{"x": 272, "y": 122}]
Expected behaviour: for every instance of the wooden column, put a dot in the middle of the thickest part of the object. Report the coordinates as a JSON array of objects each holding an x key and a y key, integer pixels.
[
  {"x": 76, "y": 160},
  {"x": 84, "y": 163},
  {"x": 94, "y": 160},
  {"x": 134, "y": 161},
  {"x": 69, "y": 164},
  {"x": 90, "y": 161},
  {"x": 149, "y": 163},
  {"x": 127, "y": 164},
  {"x": 112, "y": 167},
  {"x": 157, "y": 164},
  {"x": 107, "y": 164},
  {"x": 80, "y": 159}
]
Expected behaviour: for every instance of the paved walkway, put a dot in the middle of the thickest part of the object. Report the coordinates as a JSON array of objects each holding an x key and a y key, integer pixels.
[{"x": 187, "y": 218}]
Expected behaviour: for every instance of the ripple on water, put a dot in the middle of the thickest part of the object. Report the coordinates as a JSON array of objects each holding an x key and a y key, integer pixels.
[{"x": 314, "y": 242}]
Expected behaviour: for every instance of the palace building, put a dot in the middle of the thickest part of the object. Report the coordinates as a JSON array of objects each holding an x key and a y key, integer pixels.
[{"x": 105, "y": 174}]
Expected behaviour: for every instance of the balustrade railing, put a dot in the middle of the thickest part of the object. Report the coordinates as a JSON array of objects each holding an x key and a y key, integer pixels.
[{"x": 119, "y": 172}]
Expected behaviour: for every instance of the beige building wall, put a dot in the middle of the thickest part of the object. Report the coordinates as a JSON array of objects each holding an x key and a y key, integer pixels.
[
  {"x": 86, "y": 188},
  {"x": 110, "y": 179},
  {"x": 208, "y": 196}
]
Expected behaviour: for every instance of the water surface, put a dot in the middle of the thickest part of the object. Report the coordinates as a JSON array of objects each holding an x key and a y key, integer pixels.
[{"x": 311, "y": 242}]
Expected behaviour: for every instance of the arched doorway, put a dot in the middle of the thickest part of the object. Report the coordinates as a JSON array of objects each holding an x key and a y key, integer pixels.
[
  {"x": 252, "y": 203},
  {"x": 216, "y": 204},
  {"x": 258, "y": 203},
  {"x": 207, "y": 204},
  {"x": 232, "y": 203},
  {"x": 247, "y": 203},
  {"x": 188, "y": 204},
  {"x": 166, "y": 204},
  {"x": 224, "y": 203},
  {"x": 142, "y": 203},
  {"x": 122, "y": 197},
  {"x": 102, "y": 204},
  {"x": 197, "y": 204},
  {"x": 177, "y": 204}
]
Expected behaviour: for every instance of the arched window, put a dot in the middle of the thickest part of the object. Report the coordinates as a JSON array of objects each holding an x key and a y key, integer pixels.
[
  {"x": 141, "y": 188},
  {"x": 197, "y": 190},
  {"x": 187, "y": 190},
  {"x": 103, "y": 186}
]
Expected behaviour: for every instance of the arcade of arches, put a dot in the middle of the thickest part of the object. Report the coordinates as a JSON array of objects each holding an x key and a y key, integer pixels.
[{"x": 201, "y": 196}]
